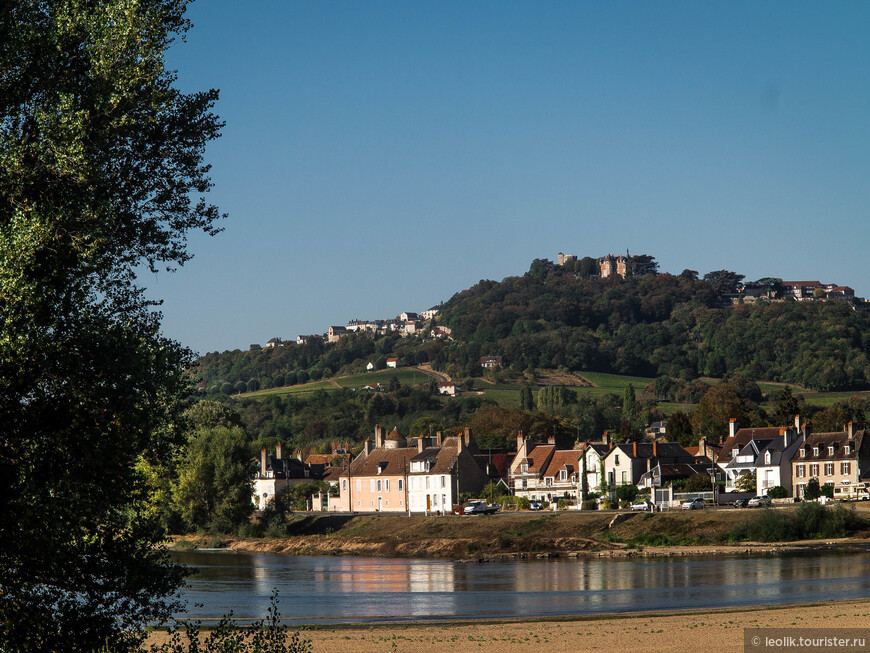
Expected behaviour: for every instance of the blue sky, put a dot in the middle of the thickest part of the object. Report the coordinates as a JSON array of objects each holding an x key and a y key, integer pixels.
[{"x": 380, "y": 156}]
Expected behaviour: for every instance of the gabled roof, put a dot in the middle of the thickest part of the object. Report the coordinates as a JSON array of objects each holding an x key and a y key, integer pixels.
[
  {"x": 563, "y": 459},
  {"x": 537, "y": 457},
  {"x": 741, "y": 438},
  {"x": 752, "y": 448},
  {"x": 396, "y": 462}
]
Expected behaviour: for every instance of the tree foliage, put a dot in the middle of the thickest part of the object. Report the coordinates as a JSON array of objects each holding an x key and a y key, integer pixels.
[
  {"x": 100, "y": 172},
  {"x": 214, "y": 479}
]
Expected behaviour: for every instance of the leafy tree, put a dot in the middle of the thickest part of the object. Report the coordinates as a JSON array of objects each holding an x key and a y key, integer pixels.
[
  {"x": 587, "y": 267},
  {"x": 724, "y": 282},
  {"x": 689, "y": 275},
  {"x": 785, "y": 408},
  {"x": 101, "y": 174},
  {"x": 626, "y": 492},
  {"x": 718, "y": 405},
  {"x": 680, "y": 429},
  {"x": 240, "y": 387},
  {"x": 394, "y": 383},
  {"x": 698, "y": 483},
  {"x": 527, "y": 401},
  {"x": 641, "y": 264},
  {"x": 746, "y": 483},
  {"x": 214, "y": 482},
  {"x": 253, "y": 385},
  {"x": 812, "y": 491}
]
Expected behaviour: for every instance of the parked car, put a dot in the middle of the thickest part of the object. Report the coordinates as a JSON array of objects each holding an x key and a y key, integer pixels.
[
  {"x": 694, "y": 504},
  {"x": 759, "y": 502},
  {"x": 479, "y": 508},
  {"x": 534, "y": 505},
  {"x": 741, "y": 503},
  {"x": 643, "y": 505}
]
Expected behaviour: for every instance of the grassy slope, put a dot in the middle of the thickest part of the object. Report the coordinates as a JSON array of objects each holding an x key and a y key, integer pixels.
[{"x": 508, "y": 395}]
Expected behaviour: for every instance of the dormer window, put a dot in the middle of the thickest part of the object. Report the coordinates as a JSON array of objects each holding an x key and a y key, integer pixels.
[
  {"x": 766, "y": 457},
  {"x": 803, "y": 453},
  {"x": 524, "y": 467},
  {"x": 734, "y": 453},
  {"x": 381, "y": 466},
  {"x": 815, "y": 451},
  {"x": 831, "y": 450},
  {"x": 848, "y": 450},
  {"x": 563, "y": 475}
]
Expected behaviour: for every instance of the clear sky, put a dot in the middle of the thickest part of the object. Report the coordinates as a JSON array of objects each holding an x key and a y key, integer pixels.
[{"x": 380, "y": 156}]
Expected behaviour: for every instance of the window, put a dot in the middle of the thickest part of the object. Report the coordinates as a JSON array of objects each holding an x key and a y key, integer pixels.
[
  {"x": 766, "y": 457},
  {"x": 400, "y": 486},
  {"x": 846, "y": 468},
  {"x": 380, "y": 487},
  {"x": 801, "y": 471},
  {"x": 815, "y": 451},
  {"x": 524, "y": 467},
  {"x": 427, "y": 482},
  {"x": 625, "y": 478},
  {"x": 829, "y": 469},
  {"x": 563, "y": 475},
  {"x": 344, "y": 485},
  {"x": 617, "y": 459},
  {"x": 848, "y": 450},
  {"x": 548, "y": 481},
  {"x": 443, "y": 481},
  {"x": 387, "y": 502},
  {"x": 386, "y": 485},
  {"x": 371, "y": 485},
  {"x": 831, "y": 450},
  {"x": 803, "y": 453},
  {"x": 358, "y": 485},
  {"x": 525, "y": 484},
  {"x": 814, "y": 470}
]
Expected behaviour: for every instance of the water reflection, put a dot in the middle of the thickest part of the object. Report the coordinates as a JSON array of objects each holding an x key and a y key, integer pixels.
[{"x": 328, "y": 589}]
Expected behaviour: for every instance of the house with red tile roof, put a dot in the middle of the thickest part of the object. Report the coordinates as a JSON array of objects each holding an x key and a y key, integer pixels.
[
  {"x": 840, "y": 459},
  {"x": 541, "y": 472},
  {"x": 399, "y": 474}
]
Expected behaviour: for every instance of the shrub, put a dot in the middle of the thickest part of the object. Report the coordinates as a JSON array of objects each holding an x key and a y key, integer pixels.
[
  {"x": 810, "y": 521},
  {"x": 267, "y": 635},
  {"x": 626, "y": 492},
  {"x": 777, "y": 492},
  {"x": 590, "y": 504}
]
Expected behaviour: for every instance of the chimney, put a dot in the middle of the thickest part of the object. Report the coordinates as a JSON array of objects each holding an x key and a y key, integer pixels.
[
  {"x": 420, "y": 444},
  {"x": 263, "y": 462},
  {"x": 609, "y": 443},
  {"x": 607, "y": 438},
  {"x": 460, "y": 443},
  {"x": 467, "y": 436},
  {"x": 379, "y": 437},
  {"x": 279, "y": 450},
  {"x": 797, "y": 422},
  {"x": 634, "y": 449},
  {"x": 520, "y": 440},
  {"x": 655, "y": 449},
  {"x": 702, "y": 447},
  {"x": 850, "y": 428},
  {"x": 367, "y": 447},
  {"x": 438, "y": 439},
  {"x": 551, "y": 439},
  {"x": 732, "y": 427}
]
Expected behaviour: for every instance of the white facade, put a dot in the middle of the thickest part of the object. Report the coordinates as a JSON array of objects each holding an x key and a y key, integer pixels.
[{"x": 429, "y": 492}]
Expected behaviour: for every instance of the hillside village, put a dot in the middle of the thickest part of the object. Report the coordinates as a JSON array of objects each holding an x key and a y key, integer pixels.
[{"x": 608, "y": 266}]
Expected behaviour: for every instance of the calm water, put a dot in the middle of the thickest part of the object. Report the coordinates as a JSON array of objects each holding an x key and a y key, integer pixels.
[{"x": 334, "y": 590}]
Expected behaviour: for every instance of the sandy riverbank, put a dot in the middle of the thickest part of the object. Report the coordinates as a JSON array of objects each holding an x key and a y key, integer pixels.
[{"x": 719, "y": 630}]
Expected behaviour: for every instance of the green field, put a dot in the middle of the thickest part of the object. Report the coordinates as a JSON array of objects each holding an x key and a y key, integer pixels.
[
  {"x": 406, "y": 377},
  {"x": 508, "y": 395}
]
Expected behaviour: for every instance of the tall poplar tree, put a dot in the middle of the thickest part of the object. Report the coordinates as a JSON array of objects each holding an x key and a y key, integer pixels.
[{"x": 101, "y": 173}]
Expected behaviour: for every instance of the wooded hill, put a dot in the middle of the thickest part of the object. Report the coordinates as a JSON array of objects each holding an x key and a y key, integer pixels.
[{"x": 649, "y": 325}]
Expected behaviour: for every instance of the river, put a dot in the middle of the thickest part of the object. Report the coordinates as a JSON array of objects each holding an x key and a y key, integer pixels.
[{"x": 323, "y": 590}]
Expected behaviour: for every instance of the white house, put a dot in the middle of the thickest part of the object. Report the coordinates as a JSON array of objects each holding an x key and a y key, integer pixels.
[{"x": 393, "y": 362}]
